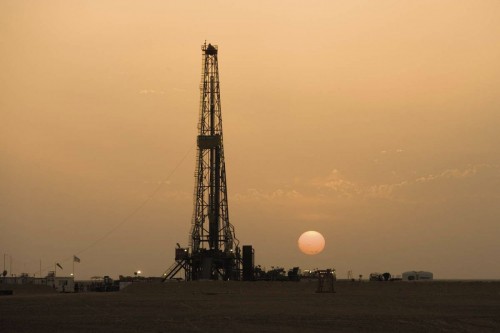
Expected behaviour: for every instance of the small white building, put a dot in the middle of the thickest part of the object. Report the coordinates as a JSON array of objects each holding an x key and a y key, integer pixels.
[
  {"x": 417, "y": 276},
  {"x": 63, "y": 284}
]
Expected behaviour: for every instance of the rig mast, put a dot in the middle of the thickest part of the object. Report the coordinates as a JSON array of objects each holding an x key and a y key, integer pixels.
[{"x": 213, "y": 251}]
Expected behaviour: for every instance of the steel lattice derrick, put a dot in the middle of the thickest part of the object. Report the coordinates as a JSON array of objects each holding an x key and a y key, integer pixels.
[{"x": 214, "y": 247}]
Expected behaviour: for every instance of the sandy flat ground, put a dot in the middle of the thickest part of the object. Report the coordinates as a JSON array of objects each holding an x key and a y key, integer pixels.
[{"x": 211, "y": 306}]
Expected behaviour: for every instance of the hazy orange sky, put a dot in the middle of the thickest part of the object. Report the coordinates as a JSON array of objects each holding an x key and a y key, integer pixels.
[{"x": 373, "y": 122}]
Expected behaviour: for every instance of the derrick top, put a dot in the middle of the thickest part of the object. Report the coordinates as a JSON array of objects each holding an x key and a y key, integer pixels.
[{"x": 209, "y": 49}]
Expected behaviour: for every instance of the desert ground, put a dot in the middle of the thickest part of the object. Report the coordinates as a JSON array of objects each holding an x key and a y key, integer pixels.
[{"x": 209, "y": 306}]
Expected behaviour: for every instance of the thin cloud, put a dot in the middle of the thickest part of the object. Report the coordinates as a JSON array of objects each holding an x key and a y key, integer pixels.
[
  {"x": 157, "y": 182},
  {"x": 252, "y": 194},
  {"x": 151, "y": 92},
  {"x": 448, "y": 185}
]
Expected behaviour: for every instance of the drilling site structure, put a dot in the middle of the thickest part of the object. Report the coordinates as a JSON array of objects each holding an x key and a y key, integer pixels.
[{"x": 213, "y": 251}]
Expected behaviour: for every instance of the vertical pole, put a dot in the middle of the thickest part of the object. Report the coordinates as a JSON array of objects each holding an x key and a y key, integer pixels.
[
  {"x": 212, "y": 106},
  {"x": 212, "y": 230},
  {"x": 214, "y": 170},
  {"x": 11, "y": 265},
  {"x": 40, "y": 267},
  {"x": 54, "y": 279},
  {"x": 4, "y": 255},
  {"x": 73, "y": 273}
]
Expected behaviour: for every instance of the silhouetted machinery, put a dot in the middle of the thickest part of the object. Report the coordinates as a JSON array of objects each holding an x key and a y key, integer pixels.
[
  {"x": 105, "y": 285},
  {"x": 380, "y": 277},
  {"x": 294, "y": 274},
  {"x": 248, "y": 263},
  {"x": 213, "y": 251},
  {"x": 326, "y": 280}
]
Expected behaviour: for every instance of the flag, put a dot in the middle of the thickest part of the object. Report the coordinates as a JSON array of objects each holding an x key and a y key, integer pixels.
[
  {"x": 59, "y": 265},
  {"x": 76, "y": 259}
]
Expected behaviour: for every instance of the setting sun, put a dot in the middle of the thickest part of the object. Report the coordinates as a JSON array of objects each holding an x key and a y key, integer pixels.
[{"x": 311, "y": 242}]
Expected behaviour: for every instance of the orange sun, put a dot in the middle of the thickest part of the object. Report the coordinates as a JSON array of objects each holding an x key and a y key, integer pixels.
[{"x": 311, "y": 242}]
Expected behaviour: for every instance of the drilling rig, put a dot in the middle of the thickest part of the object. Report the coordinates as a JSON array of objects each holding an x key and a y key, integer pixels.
[{"x": 213, "y": 251}]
